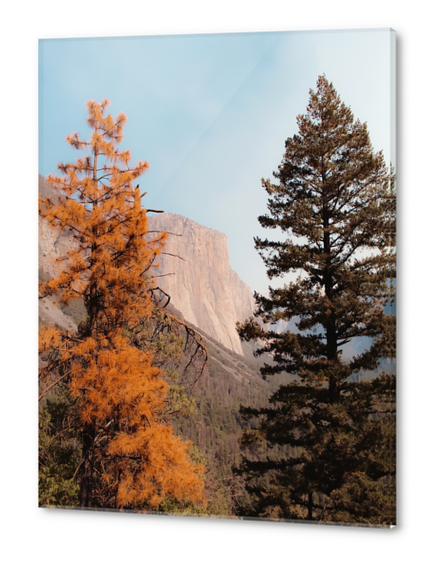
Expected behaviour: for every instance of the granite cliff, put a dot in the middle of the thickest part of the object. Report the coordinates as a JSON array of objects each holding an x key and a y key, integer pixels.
[
  {"x": 51, "y": 245},
  {"x": 196, "y": 274},
  {"x": 194, "y": 270}
]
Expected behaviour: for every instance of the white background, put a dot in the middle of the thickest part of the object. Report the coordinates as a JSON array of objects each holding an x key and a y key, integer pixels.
[{"x": 29, "y": 533}]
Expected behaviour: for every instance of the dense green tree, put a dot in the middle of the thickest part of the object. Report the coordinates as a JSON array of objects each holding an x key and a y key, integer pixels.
[{"x": 334, "y": 204}]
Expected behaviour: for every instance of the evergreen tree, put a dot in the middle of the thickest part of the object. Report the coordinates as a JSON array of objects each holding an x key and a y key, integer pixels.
[
  {"x": 116, "y": 393},
  {"x": 334, "y": 202}
]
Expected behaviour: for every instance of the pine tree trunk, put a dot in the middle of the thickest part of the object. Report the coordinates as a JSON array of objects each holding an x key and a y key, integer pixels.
[
  {"x": 310, "y": 506},
  {"x": 87, "y": 467},
  {"x": 331, "y": 334}
]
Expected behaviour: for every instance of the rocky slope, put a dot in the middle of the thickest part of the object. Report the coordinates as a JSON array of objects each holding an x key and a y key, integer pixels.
[
  {"x": 199, "y": 279},
  {"x": 51, "y": 245}
]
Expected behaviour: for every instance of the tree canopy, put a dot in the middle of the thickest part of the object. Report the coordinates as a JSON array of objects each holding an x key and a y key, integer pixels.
[{"x": 333, "y": 208}]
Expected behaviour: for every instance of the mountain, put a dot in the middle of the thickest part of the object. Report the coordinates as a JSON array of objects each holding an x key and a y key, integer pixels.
[
  {"x": 195, "y": 271},
  {"x": 52, "y": 245}
]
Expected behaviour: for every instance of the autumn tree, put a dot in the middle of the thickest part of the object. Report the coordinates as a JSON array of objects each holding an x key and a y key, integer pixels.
[
  {"x": 130, "y": 456},
  {"x": 334, "y": 204}
]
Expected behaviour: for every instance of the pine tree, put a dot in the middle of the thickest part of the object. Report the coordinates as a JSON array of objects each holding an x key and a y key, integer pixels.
[
  {"x": 334, "y": 202},
  {"x": 130, "y": 456}
]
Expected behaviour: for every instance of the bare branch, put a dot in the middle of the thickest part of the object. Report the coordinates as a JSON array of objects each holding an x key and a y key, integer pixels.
[
  {"x": 163, "y": 275},
  {"x": 52, "y": 385},
  {"x": 198, "y": 340},
  {"x": 167, "y": 231},
  {"x": 173, "y": 255}
]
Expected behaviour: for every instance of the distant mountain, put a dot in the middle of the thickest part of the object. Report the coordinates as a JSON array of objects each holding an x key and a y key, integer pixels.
[
  {"x": 196, "y": 274},
  {"x": 52, "y": 245},
  {"x": 195, "y": 271}
]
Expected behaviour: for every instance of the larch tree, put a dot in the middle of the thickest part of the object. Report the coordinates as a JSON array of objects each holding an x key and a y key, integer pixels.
[
  {"x": 130, "y": 456},
  {"x": 334, "y": 204}
]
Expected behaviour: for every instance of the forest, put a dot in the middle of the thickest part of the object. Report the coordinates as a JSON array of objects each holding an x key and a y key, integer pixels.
[{"x": 140, "y": 410}]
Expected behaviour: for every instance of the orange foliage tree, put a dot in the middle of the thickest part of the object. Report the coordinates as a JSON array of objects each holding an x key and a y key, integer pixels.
[{"x": 130, "y": 455}]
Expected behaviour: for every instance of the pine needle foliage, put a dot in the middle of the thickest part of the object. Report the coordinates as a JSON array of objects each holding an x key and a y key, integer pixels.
[
  {"x": 334, "y": 204},
  {"x": 130, "y": 456}
]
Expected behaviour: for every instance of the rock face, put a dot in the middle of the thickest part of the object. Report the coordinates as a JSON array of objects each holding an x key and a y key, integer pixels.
[
  {"x": 200, "y": 281},
  {"x": 52, "y": 244}
]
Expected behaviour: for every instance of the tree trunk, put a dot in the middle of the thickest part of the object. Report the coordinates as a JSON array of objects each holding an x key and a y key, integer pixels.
[
  {"x": 87, "y": 467},
  {"x": 310, "y": 506},
  {"x": 331, "y": 333}
]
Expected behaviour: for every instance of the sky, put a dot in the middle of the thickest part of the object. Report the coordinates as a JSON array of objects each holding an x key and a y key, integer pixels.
[{"x": 211, "y": 113}]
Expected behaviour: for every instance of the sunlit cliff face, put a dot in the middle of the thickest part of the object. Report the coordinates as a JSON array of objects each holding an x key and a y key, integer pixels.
[{"x": 199, "y": 279}]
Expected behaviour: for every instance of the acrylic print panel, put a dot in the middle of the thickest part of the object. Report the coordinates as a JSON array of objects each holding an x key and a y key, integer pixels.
[{"x": 217, "y": 275}]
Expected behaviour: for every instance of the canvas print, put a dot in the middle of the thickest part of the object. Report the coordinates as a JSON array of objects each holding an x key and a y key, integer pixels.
[{"x": 217, "y": 275}]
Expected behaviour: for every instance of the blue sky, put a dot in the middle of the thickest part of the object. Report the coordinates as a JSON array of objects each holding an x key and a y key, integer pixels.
[{"x": 210, "y": 113}]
